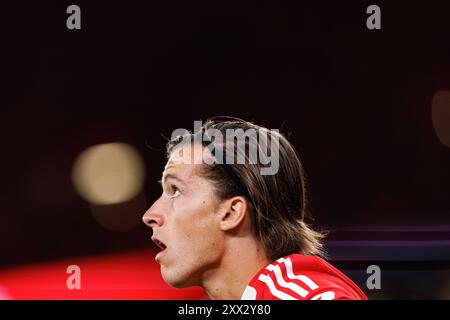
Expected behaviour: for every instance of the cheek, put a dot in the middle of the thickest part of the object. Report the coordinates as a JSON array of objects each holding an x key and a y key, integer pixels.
[{"x": 196, "y": 224}]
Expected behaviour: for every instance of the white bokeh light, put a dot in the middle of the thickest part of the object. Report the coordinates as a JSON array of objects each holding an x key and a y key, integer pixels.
[{"x": 109, "y": 173}]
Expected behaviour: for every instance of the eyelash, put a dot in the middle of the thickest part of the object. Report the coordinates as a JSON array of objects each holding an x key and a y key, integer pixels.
[
  {"x": 174, "y": 188},
  {"x": 176, "y": 191}
]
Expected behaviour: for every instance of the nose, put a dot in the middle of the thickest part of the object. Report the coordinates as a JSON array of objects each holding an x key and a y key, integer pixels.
[{"x": 153, "y": 217}]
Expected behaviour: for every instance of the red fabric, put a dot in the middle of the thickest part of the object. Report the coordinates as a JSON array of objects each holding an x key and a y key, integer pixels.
[{"x": 301, "y": 277}]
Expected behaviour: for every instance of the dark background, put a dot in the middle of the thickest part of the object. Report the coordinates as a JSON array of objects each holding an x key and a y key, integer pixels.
[{"x": 356, "y": 104}]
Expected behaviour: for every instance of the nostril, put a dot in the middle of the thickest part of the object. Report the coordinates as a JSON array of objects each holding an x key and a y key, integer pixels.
[{"x": 149, "y": 221}]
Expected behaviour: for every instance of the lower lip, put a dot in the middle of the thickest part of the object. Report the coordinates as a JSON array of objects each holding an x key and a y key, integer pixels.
[{"x": 160, "y": 254}]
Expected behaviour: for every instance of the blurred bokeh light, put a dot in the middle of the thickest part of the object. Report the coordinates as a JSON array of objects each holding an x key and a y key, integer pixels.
[
  {"x": 108, "y": 173},
  {"x": 441, "y": 116}
]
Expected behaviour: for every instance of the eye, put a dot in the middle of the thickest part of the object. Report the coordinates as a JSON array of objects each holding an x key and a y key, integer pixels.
[{"x": 174, "y": 191}]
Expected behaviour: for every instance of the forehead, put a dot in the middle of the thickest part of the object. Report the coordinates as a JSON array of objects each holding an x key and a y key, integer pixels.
[{"x": 185, "y": 160}]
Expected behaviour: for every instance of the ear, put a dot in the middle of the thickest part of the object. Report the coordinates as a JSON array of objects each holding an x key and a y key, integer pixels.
[{"x": 234, "y": 211}]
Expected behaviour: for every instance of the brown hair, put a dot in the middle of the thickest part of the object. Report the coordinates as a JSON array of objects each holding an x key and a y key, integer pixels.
[{"x": 277, "y": 202}]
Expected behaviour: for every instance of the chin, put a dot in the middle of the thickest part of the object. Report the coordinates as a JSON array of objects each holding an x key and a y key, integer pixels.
[
  {"x": 177, "y": 280},
  {"x": 174, "y": 280}
]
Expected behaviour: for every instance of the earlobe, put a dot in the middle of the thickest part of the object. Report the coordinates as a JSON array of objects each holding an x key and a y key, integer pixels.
[{"x": 234, "y": 214}]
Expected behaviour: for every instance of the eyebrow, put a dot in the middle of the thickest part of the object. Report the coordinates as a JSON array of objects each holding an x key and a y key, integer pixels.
[{"x": 171, "y": 176}]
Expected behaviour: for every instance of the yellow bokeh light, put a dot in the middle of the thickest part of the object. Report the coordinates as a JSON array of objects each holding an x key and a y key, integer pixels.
[{"x": 108, "y": 173}]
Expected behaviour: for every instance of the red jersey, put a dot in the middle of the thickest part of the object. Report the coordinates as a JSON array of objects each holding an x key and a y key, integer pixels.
[{"x": 298, "y": 277}]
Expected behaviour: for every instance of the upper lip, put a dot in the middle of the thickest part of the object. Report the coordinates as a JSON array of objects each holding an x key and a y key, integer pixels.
[{"x": 159, "y": 243}]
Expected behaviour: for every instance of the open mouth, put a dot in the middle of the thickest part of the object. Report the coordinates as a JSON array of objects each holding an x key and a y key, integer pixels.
[{"x": 160, "y": 244}]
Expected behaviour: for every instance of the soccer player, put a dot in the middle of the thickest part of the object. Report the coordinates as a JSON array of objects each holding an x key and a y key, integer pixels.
[{"x": 235, "y": 230}]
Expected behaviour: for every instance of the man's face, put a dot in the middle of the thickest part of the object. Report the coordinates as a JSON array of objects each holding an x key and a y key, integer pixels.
[{"x": 185, "y": 224}]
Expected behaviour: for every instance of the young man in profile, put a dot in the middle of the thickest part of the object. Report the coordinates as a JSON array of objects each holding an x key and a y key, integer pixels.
[{"x": 224, "y": 224}]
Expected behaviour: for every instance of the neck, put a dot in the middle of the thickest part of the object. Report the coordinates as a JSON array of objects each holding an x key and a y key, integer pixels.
[{"x": 244, "y": 257}]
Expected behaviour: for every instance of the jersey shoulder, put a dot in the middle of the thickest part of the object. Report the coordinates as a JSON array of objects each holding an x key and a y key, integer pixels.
[{"x": 298, "y": 277}]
